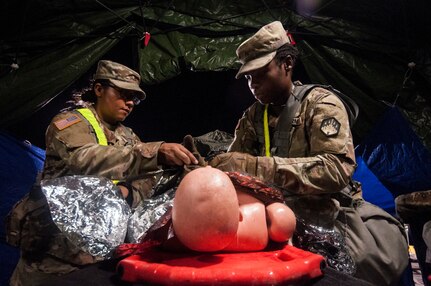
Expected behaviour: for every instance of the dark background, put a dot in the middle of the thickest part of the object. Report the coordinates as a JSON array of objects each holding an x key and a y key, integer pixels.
[{"x": 192, "y": 103}]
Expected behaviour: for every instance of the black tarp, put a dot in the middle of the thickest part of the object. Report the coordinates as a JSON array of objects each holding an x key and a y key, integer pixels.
[{"x": 362, "y": 49}]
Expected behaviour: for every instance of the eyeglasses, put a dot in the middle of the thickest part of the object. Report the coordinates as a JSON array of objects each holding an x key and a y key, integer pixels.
[{"x": 126, "y": 95}]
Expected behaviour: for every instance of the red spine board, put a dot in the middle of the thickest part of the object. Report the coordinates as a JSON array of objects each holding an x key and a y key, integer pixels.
[{"x": 283, "y": 266}]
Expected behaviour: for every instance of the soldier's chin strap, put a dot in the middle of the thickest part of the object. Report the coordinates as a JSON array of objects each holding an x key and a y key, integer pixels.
[{"x": 266, "y": 132}]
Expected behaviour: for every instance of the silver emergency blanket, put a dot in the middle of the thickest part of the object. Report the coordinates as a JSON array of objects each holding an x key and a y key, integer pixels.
[
  {"x": 90, "y": 211},
  {"x": 147, "y": 213}
]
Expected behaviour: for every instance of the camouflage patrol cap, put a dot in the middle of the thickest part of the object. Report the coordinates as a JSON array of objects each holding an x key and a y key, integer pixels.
[
  {"x": 258, "y": 50},
  {"x": 119, "y": 75}
]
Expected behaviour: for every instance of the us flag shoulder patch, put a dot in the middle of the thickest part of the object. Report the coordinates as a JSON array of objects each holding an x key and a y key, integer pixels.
[{"x": 64, "y": 123}]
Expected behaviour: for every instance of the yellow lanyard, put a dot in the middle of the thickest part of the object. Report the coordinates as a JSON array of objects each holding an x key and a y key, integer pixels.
[
  {"x": 266, "y": 132},
  {"x": 101, "y": 137}
]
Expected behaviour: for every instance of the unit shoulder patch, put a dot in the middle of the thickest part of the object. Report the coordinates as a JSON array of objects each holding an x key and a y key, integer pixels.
[
  {"x": 330, "y": 126},
  {"x": 64, "y": 123}
]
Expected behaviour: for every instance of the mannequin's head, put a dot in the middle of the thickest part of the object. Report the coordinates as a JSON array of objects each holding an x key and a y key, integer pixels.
[{"x": 205, "y": 213}]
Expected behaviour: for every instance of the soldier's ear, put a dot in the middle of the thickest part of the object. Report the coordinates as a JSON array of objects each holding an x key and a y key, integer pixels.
[
  {"x": 287, "y": 68},
  {"x": 289, "y": 62},
  {"x": 98, "y": 88}
]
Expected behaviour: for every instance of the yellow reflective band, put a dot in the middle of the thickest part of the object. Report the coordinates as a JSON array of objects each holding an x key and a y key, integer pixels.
[
  {"x": 266, "y": 132},
  {"x": 101, "y": 138}
]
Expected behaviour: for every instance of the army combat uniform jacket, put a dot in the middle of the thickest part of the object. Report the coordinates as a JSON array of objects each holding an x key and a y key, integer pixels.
[
  {"x": 72, "y": 148},
  {"x": 320, "y": 158}
]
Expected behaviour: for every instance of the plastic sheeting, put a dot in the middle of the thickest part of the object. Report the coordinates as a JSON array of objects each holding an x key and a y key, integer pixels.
[
  {"x": 20, "y": 162},
  {"x": 392, "y": 161}
]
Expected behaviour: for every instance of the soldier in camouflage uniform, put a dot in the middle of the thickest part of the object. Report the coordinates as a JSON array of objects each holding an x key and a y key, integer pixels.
[
  {"x": 314, "y": 159},
  {"x": 91, "y": 141}
]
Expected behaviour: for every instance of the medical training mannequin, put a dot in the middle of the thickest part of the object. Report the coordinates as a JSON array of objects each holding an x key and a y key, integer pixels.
[{"x": 209, "y": 214}]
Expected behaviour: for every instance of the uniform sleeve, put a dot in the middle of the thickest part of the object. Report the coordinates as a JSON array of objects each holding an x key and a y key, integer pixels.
[
  {"x": 77, "y": 146},
  {"x": 331, "y": 163}
]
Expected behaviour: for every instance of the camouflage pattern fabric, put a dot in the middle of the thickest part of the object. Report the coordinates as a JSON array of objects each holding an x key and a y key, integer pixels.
[
  {"x": 317, "y": 163},
  {"x": 74, "y": 150}
]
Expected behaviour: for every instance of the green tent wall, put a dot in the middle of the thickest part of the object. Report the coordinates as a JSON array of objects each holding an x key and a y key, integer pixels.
[{"x": 362, "y": 49}]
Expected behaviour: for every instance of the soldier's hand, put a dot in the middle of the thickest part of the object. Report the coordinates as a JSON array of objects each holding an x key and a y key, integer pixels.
[
  {"x": 175, "y": 154},
  {"x": 235, "y": 161},
  {"x": 189, "y": 143}
]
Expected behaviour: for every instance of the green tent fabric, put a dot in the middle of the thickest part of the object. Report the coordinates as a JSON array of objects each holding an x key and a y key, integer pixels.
[
  {"x": 63, "y": 53},
  {"x": 362, "y": 49}
]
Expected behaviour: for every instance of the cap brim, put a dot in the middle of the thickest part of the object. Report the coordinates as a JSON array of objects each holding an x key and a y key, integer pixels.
[
  {"x": 129, "y": 86},
  {"x": 255, "y": 64}
]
